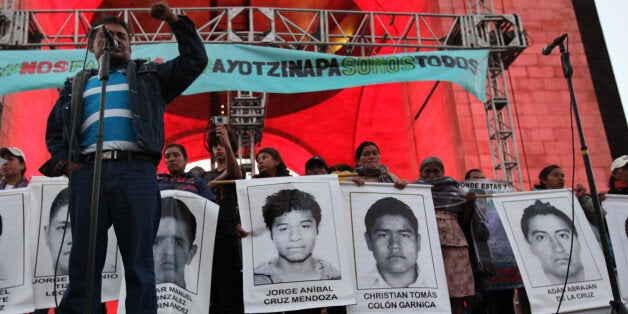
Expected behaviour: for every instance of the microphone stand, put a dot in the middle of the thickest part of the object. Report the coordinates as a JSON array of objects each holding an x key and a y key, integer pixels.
[
  {"x": 617, "y": 307},
  {"x": 103, "y": 76}
]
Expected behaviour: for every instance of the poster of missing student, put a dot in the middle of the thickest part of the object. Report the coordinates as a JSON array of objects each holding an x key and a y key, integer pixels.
[
  {"x": 553, "y": 243},
  {"x": 183, "y": 253},
  {"x": 51, "y": 243},
  {"x": 297, "y": 254},
  {"x": 616, "y": 207},
  {"x": 16, "y": 287},
  {"x": 396, "y": 249}
]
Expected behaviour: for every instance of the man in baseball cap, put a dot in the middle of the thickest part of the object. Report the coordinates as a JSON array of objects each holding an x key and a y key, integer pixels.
[
  {"x": 619, "y": 163},
  {"x": 13, "y": 165},
  {"x": 619, "y": 176},
  {"x": 316, "y": 165}
]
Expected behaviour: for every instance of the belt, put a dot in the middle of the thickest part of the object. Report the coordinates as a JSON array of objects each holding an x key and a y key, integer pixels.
[{"x": 121, "y": 155}]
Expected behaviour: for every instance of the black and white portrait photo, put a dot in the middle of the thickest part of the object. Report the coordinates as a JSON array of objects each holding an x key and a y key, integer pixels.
[
  {"x": 392, "y": 248},
  {"x": 55, "y": 235},
  {"x": 174, "y": 247},
  {"x": 51, "y": 243},
  {"x": 392, "y": 235},
  {"x": 544, "y": 234},
  {"x": 553, "y": 245},
  {"x": 553, "y": 242},
  {"x": 292, "y": 218},
  {"x": 396, "y": 249},
  {"x": 183, "y": 253},
  {"x": 295, "y": 256}
]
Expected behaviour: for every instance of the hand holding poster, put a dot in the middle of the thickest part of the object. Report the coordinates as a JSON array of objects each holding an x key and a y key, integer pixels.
[
  {"x": 616, "y": 207},
  {"x": 540, "y": 228},
  {"x": 297, "y": 254},
  {"x": 16, "y": 288},
  {"x": 398, "y": 260}
]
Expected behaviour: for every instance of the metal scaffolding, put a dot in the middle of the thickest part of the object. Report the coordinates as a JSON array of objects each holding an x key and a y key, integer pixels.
[{"x": 350, "y": 33}]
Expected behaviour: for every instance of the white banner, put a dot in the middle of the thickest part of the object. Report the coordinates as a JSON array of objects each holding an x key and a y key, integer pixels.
[
  {"x": 398, "y": 261},
  {"x": 297, "y": 255},
  {"x": 539, "y": 227},
  {"x": 616, "y": 207},
  {"x": 183, "y": 253},
  {"x": 16, "y": 287},
  {"x": 52, "y": 237}
]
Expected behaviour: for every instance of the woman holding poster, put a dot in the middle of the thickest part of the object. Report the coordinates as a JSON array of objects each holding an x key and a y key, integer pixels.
[
  {"x": 369, "y": 168},
  {"x": 452, "y": 206}
]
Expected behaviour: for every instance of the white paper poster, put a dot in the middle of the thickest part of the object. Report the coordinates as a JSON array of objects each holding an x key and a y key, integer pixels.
[
  {"x": 616, "y": 207},
  {"x": 397, "y": 256},
  {"x": 298, "y": 253},
  {"x": 16, "y": 287},
  {"x": 52, "y": 241},
  {"x": 183, "y": 252},
  {"x": 539, "y": 227}
]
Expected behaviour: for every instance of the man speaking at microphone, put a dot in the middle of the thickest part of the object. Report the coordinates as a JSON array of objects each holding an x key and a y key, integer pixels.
[{"x": 136, "y": 97}]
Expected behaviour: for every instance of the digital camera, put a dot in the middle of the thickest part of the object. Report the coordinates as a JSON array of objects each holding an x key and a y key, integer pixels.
[{"x": 219, "y": 120}]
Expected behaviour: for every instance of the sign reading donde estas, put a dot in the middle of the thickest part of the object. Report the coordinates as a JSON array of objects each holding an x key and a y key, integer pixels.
[{"x": 261, "y": 69}]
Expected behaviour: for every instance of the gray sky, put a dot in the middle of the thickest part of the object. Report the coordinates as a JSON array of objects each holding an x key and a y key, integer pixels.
[{"x": 614, "y": 19}]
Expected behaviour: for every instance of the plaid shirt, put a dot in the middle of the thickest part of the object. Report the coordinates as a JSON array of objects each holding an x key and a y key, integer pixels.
[
  {"x": 187, "y": 182},
  {"x": 20, "y": 184}
]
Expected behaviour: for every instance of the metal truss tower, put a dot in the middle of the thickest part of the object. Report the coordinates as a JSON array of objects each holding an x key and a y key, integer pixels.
[
  {"x": 504, "y": 152},
  {"x": 348, "y": 33}
]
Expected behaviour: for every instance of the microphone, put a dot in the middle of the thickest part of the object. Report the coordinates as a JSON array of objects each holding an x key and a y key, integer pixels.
[
  {"x": 112, "y": 43},
  {"x": 548, "y": 49}
]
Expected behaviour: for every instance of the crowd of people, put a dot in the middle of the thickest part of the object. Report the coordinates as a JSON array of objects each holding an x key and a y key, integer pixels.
[
  {"x": 454, "y": 210},
  {"x": 137, "y": 95}
]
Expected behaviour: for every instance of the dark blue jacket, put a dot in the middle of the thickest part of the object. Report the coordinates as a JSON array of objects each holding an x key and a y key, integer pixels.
[{"x": 151, "y": 87}]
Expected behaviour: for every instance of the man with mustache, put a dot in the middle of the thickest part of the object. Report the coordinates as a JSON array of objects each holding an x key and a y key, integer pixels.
[{"x": 392, "y": 234}]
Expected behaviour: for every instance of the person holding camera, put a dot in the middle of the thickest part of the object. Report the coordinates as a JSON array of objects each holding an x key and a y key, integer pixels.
[{"x": 226, "y": 289}]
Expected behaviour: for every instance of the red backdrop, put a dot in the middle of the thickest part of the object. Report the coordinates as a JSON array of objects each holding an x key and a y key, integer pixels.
[{"x": 332, "y": 123}]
